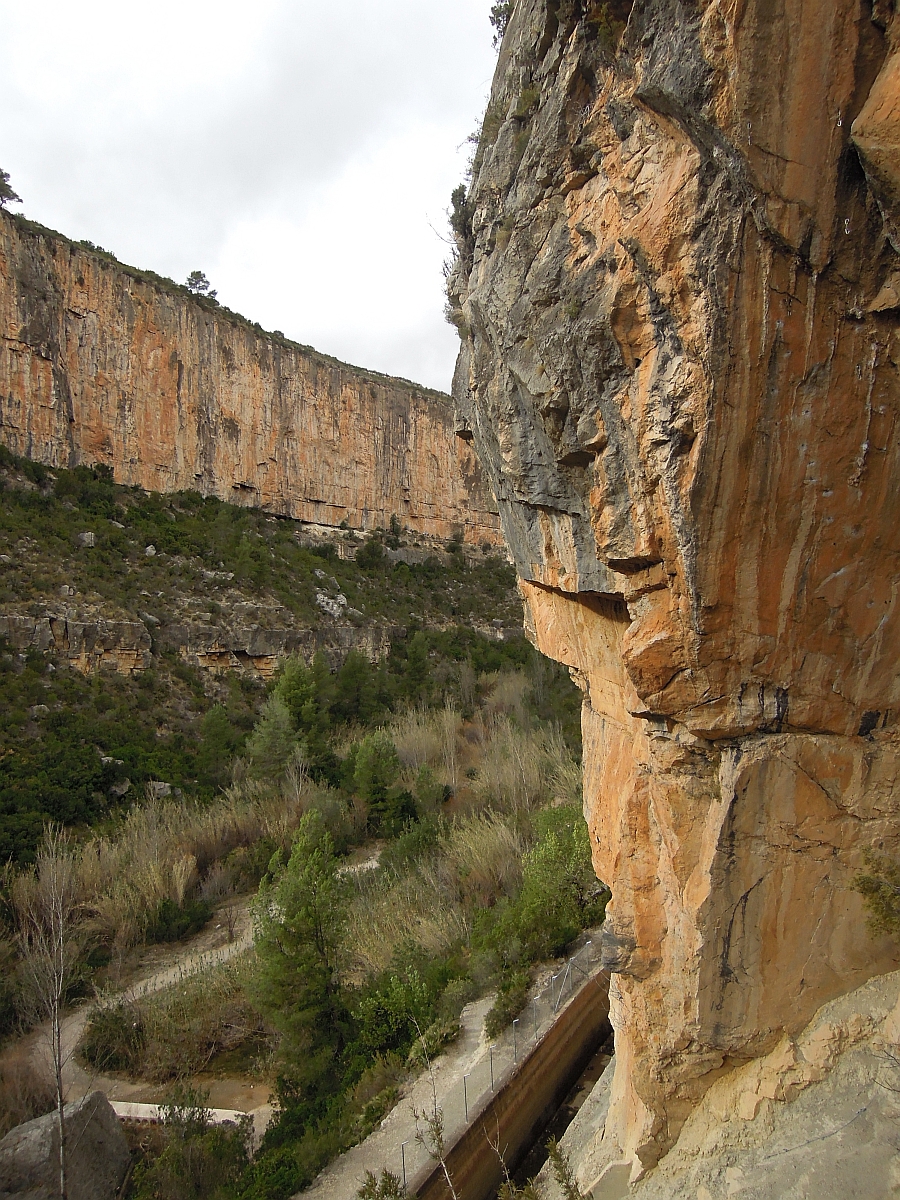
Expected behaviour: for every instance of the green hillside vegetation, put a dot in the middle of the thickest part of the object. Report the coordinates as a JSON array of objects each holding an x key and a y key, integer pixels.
[
  {"x": 484, "y": 869},
  {"x": 452, "y": 766},
  {"x": 68, "y": 742},
  {"x": 44, "y": 511}
]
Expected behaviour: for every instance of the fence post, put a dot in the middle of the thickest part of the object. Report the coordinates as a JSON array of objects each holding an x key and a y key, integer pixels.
[
  {"x": 515, "y": 1041},
  {"x": 492, "y": 1067},
  {"x": 403, "y": 1161},
  {"x": 466, "y": 1096},
  {"x": 534, "y": 1016}
]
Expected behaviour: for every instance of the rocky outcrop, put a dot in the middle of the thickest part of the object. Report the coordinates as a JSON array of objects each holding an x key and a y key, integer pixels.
[
  {"x": 100, "y": 363},
  {"x": 678, "y": 292},
  {"x": 90, "y": 642},
  {"x": 98, "y": 1154},
  {"x": 817, "y": 1116}
]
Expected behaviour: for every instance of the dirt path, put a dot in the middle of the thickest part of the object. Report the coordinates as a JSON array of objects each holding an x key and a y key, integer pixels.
[{"x": 158, "y": 968}]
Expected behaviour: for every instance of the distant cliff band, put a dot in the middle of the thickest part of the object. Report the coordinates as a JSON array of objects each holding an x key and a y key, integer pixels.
[{"x": 100, "y": 363}]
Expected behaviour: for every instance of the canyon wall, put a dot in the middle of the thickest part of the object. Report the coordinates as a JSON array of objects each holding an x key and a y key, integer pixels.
[
  {"x": 100, "y": 363},
  {"x": 678, "y": 294}
]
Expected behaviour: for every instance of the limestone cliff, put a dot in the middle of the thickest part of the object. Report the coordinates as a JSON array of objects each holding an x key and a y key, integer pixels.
[
  {"x": 100, "y": 363},
  {"x": 678, "y": 292}
]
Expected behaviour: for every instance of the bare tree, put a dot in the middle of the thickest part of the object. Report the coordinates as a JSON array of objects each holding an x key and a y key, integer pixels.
[
  {"x": 231, "y": 919},
  {"x": 46, "y": 904},
  {"x": 430, "y": 1125}
]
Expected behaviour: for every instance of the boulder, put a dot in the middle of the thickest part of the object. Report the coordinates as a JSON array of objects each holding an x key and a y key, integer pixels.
[{"x": 98, "y": 1154}]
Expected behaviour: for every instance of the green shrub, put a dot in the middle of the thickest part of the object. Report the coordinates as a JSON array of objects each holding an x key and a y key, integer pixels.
[
  {"x": 413, "y": 845},
  {"x": 430, "y": 1044},
  {"x": 512, "y": 996},
  {"x": 172, "y": 922},
  {"x": 275, "y": 1174},
  {"x": 371, "y": 555},
  {"x": 606, "y": 26},
  {"x": 456, "y": 995},
  {"x": 389, "y": 1014},
  {"x": 560, "y": 894},
  {"x": 528, "y": 97},
  {"x": 386, "y": 1186},
  {"x": 200, "y": 1161},
  {"x": 114, "y": 1038},
  {"x": 879, "y": 883}
]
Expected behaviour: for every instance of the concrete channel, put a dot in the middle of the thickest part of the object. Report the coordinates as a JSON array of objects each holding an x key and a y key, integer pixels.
[{"x": 504, "y": 1125}]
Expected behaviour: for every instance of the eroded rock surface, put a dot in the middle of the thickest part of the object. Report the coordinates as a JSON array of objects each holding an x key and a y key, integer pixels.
[
  {"x": 678, "y": 292},
  {"x": 816, "y": 1117},
  {"x": 101, "y": 364}
]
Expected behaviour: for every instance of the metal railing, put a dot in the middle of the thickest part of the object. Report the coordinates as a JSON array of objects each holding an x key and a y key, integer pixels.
[{"x": 462, "y": 1100}]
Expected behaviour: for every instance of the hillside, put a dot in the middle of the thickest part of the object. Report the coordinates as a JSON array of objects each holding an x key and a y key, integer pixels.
[
  {"x": 114, "y": 656},
  {"x": 406, "y": 797}
]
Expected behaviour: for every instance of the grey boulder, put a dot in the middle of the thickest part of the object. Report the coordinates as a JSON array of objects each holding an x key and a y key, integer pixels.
[{"x": 98, "y": 1154}]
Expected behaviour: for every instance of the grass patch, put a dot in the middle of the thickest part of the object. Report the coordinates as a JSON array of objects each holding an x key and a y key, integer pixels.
[{"x": 186, "y": 1029}]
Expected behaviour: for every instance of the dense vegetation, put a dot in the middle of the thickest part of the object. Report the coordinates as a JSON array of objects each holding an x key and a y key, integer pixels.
[
  {"x": 201, "y": 544},
  {"x": 455, "y": 759},
  {"x": 484, "y": 870},
  {"x": 69, "y": 743}
]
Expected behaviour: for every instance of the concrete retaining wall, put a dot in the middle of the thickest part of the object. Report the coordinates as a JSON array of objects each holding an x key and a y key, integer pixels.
[{"x": 525, "y": 1099}]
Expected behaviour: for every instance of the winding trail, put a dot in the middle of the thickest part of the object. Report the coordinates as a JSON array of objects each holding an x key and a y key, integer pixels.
[{"x": 159, "y": 968}]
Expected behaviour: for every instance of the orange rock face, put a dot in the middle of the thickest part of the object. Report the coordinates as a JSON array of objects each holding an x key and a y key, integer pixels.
[
  {"x": 679, "y": 297},
  {"x": 100, "y": 365}
]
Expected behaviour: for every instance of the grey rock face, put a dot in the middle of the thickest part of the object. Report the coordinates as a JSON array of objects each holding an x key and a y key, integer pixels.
[{"x": 98, "y": 1154}]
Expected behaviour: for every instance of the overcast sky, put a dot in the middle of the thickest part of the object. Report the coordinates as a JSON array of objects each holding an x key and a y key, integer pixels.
[{"x": 300, "y": 152}]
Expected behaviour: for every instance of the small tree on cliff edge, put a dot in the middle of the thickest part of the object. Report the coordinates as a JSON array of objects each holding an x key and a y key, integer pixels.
[
  {"x": 7, "y": 194},
  {"x": 500, "y": 14},
  {"x": 197, "y": 283}
]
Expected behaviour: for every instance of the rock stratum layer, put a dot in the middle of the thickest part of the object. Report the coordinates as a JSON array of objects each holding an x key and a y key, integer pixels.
[
  {"x": 101, "y": 364},
  {"x": 678, "y": 292}
]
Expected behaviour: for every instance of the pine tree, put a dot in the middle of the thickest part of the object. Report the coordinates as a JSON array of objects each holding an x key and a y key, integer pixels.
[
  {"x": 197, "y": 283},
  {"x": 7, "y": 194},
  {"x": 298, "y": 918},
  {"x": 273, "y": 742},
  {"x": 500, "y": 14}
]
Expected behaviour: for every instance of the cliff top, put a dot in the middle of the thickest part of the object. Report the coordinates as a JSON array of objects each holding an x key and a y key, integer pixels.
[{"x": 163, "y": 284}]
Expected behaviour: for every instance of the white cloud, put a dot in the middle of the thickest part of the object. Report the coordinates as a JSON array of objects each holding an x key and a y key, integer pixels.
[{"x": 296, "y": 152}]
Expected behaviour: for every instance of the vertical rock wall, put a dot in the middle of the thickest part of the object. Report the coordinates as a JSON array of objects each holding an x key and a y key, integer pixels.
[
  {"x": 101, "y": 364},
  {"x": 678, "y": 292}
]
